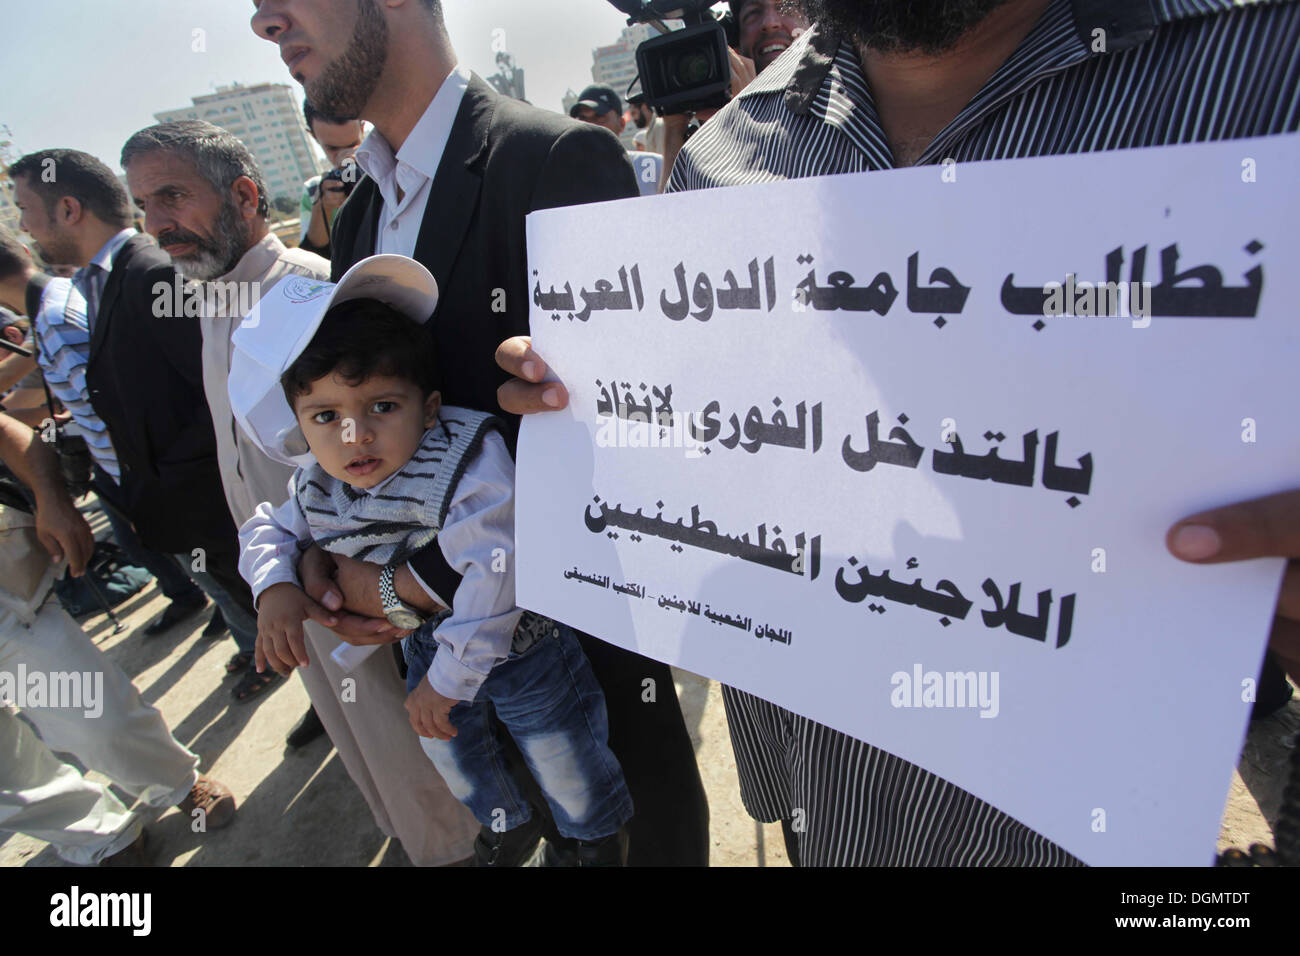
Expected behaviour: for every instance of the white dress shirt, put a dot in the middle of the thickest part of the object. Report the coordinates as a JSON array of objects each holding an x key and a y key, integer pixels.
[{"x": 413, "y": 167}]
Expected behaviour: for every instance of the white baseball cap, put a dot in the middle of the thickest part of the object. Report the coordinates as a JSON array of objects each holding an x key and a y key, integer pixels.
[{"x": 282, "y": 324}]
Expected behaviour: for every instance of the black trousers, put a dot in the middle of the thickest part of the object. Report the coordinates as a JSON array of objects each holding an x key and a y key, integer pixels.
[
  {"x": 670, "y": 819},
  {"x": 670, "y": 822}
]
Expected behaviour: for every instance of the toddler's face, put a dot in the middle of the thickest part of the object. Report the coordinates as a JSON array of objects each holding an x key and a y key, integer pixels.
[{"x": 363, "y": 433}]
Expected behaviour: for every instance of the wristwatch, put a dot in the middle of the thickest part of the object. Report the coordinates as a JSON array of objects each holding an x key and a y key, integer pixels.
[{"x": 398, "y": 614}]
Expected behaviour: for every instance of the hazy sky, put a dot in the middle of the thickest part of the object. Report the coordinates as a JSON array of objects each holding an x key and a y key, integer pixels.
[{"x": 87, "y": 74}]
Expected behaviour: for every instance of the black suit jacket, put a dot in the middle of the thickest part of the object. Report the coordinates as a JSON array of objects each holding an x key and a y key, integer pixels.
[
  {"x": 503, "y": 160},
  {"x": 145, "y": 380}
]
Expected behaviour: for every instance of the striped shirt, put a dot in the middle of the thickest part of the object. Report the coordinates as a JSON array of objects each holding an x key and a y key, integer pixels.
[
  {"x": 62, "y": 333},
  {"x": 1173, "y": 71}
]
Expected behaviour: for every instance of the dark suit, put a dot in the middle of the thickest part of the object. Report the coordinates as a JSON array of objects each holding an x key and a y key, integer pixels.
[
  {"x": 503, "y": 160},
  {"x": 145, "y": 381}
]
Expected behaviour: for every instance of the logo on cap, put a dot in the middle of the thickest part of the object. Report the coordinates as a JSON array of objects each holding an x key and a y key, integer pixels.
[{"x": 299, "y": 289}]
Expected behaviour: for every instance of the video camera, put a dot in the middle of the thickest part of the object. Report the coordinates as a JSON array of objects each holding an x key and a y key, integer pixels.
[{"x": 683, "y": 70}]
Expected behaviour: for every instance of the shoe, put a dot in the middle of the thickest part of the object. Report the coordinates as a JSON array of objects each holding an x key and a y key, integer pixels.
[
  {"x": 135, "y": 853},
  {"x": 238, "y": 662},
  {"x": 176, "y": 612},
  {"x": 213, "y": 798},
  {"x": 607, "y": 851},
  {"x": 252, "y": 684},
  {"x": 556, "y": 854},
  {"x": 216, "y": 624},
  {"x": 510, "y": 848},
  {"x": 307, "y": 730}
]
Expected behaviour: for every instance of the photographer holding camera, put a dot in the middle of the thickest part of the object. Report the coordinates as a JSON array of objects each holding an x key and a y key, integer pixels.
[
  {"x": 323, "y": 195},
  {"x": 757, "y": 31}
]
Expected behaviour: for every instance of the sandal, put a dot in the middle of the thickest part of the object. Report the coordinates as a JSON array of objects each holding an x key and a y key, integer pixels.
[
  {"x": 239, "y": 663},
  {"x": 253, "y": 684}
]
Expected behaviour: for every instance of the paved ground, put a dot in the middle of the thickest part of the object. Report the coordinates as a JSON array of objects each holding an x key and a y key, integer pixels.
[{"x": 300, "y": 809}]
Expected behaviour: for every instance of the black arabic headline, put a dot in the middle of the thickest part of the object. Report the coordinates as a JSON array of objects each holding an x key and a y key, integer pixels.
[{"x": 1197, "y": 291}]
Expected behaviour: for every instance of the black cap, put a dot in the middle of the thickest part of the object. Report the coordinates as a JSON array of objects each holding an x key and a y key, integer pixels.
[{"x": 602, "y": 99}]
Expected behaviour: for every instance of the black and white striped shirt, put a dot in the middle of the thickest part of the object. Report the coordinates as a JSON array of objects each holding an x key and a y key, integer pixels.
[{"x": 1173, "y": 71}]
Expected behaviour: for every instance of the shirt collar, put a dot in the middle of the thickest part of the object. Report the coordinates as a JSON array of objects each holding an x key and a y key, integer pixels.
[
  {"x": 422, "y": 151},
  {"x": 109, "y": 250},
  {"x": 103, "y": 259}
]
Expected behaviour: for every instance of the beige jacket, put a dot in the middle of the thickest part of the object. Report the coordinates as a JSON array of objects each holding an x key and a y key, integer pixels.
[
  {"x": 249, "y": 476},
  {"x": 362, "y": 709}
]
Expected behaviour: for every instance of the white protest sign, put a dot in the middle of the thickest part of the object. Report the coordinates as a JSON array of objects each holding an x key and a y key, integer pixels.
[{"x": 889, "y": 485}]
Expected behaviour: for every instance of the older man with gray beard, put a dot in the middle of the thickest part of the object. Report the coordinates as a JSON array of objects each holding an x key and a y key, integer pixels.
[{"x": 204, "y": 200}]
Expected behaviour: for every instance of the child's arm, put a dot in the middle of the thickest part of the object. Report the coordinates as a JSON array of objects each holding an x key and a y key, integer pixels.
[
  {"x": 269, "y": 545},
  {"x": 478, "y": 540},
  {"x": 270, "y": 542}
]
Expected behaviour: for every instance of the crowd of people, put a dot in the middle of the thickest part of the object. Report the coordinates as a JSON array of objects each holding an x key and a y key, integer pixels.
[{"x": 360, "y": 432}]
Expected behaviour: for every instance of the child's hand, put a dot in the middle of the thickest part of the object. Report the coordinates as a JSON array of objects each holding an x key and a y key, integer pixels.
[
  {"x": 281, "y": 609},
  {"x": 429, "y": 711}
]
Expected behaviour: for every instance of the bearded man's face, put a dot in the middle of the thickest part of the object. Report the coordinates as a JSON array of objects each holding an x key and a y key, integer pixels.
[{"x": 336, "y": 49}]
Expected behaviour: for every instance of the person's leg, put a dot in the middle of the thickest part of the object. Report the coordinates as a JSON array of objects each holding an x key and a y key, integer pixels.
[
  {"x": 472, "y": 763},
  {"x": 45, "y": 798},
  {"x": 648, "y": 735},
  {"x": 172, "y": 581},
  {"x": 369, "y": 728},
  {"x": 791, "y": 837},
  {"x": 100, "y": 717},
  {"x": 552, "y": 706},
  {"x": 220, "y": 578}
]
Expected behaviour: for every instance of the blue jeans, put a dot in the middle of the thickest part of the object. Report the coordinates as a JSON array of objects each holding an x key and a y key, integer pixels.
[
  {"x": 176, "y": 577},
  {"x": 549, "y": 700},
  {"x": 240, "y": 618}
]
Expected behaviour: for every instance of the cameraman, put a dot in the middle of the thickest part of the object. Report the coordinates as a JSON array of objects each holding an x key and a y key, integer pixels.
[
  {"x": 323, "y": 195},
  {"x": 763, "y": 30}
]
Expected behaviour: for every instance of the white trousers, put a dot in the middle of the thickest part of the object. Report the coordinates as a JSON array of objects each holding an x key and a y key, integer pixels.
[{"x": 106, "y": 726}]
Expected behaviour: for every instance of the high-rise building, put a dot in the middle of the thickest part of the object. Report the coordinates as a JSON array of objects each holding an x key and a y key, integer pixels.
[
  {"x": 267, "y": 118},
  {"x": 615, "y": 65}
]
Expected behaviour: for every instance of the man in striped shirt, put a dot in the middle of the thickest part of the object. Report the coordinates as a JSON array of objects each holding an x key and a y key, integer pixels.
[
  {"x": 62, "y": 335},
  {"x": 878, "y": 84}
]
